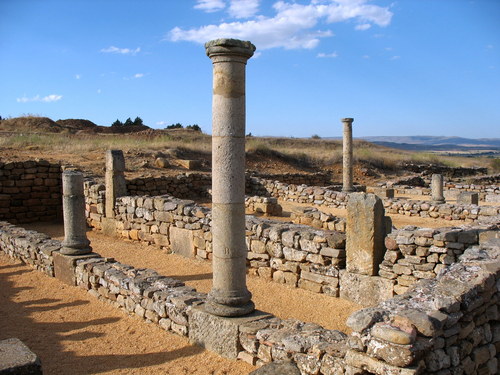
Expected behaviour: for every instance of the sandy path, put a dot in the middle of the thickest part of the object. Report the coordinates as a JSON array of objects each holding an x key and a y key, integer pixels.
[{"x": 74, "y": 333}]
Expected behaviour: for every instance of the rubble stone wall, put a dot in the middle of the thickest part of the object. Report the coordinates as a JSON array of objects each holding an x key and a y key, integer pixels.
[
  {"x": 415, "y": 253},
  {"x": 315, "y": 179},
  {"x": 186, "y": 185},
  {"x": 30, "y": 191},
  {"x": 296, "y": 255}
]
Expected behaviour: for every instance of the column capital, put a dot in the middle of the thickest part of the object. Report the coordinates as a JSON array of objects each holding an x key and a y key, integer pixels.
[
  {"x": 347, "y": 119},
  {"x": 229, "y": 47}
]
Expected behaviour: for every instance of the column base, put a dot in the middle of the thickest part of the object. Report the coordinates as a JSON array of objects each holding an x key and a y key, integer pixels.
[
  {"x": 218, "y": 309},
  {"x": 438, "y": 201}
]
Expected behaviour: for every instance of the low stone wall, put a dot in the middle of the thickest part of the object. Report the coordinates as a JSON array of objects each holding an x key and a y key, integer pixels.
[
  {"x": 467, "y": 213},
  {"x": 30, "y": 247},
  {"x": 314, "y": 179},
  {"x": 296, "y": 255},
  {"x": 421, "y": 253},
  {"x": 188, "y": 185},
  {"x": 30, "y": 191},
  {"x": 317, "y": 219},
  {"x": 446, "y": 325},
  {"x": 265, "y": 205}
]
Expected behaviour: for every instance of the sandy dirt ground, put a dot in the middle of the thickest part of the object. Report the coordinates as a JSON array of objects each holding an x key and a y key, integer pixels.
[{"x": 69, "y": 329}]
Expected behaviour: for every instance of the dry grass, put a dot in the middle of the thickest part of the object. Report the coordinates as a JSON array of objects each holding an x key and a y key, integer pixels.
[{"x": 306, "y": 152}]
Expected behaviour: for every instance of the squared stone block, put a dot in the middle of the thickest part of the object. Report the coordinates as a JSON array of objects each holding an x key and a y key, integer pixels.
[
  {"x": 65, "y": 266},
  {"x": 189, "y": 164},
  {"x": 17, "y": 358},
  {"x": 219, "y": 334},
  {"x": 384, "y": 193},
  {"x": 108, "y": 226},
  {"x": 365, "y": 290},
  {"x": 181, "y": 242},
  {"x": 468, "y": 198}
]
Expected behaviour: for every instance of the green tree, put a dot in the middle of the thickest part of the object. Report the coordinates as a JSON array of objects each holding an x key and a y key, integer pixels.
[
  {"x": 128, "y": 122},
  {"x": 138, "y": 121},
  {"x": 194, "y": 127},
  {"x": 175, "y": 126},
  {"x": 117, "y": 123}
]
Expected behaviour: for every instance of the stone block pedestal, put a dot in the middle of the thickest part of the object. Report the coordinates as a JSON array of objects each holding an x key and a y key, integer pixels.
[
  {"x": 219, "y": 334},
  {"x": 65, "y": 266}
]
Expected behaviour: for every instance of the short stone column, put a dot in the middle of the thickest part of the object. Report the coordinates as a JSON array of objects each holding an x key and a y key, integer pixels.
[
  {"x": 437, "y": 188},
  {"x": 229, "y": 295},
  {"x": 75, "y": 237},
  {"x": 347, "y": 167},
  {"x": 114, "y": 180}
]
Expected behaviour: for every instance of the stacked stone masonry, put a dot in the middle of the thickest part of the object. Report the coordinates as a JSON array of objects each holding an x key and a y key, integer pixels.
[
  {"x": 287, "y": 253},
  {"x": 447, "y": 325},
  {"x": 30, "y": 191}
]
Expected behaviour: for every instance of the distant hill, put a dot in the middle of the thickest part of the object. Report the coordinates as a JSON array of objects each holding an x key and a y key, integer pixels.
[
  {"x": 34, "y": 124},
  {"x": 433, "y": 143}
]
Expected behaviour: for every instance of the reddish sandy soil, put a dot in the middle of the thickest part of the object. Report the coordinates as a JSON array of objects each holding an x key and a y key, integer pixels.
[{"x": 74, "y": 333}]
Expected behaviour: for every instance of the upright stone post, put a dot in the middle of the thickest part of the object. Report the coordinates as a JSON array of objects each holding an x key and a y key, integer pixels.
[
  {"x": 437, "y": 188},
  {"x": 229, "y": 295},
  {"x": 365, "y": 233},
  {"x": 114, "y": 180},
  {"x": 347, "y": 178},
  {"x": 75, "y": 237}
]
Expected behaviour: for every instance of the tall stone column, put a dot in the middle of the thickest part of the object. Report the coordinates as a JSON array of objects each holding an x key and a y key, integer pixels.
[
  {"x": 229, "y": 295},
  {"x": 75, "y": 237},
  {"x": 114, "y": 180},
  {"x": 347, "y": 156},
  {"x": 437, "y": 188}
]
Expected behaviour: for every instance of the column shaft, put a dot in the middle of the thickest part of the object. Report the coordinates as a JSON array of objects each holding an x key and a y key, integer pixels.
[
  {"x": 229, "y": 295},
  {"x": 347, "y": 167}
]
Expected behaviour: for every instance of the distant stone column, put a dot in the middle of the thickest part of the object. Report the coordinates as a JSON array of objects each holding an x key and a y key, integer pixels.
[
  {"x": 229, "y": 295},
  {"x": 114, "y": 180},
  {"x": 347, "y": 156},
  {"x": 437, "y": 188},
  {"x": 75, "y": 237}
]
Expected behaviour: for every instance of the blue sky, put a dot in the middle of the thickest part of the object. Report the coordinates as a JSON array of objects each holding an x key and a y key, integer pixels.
[{"x": 404, "y": 67}]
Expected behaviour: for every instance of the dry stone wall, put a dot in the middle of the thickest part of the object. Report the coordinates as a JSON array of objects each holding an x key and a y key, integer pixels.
[
  {"x": 315, "y": 179},
  {"x": 30, "y": 191},
  {"x": 186, "y": 185},
  {"x": 447, "y": 325},
  {"x": 415, "y": 253},
  {"x": 287, "y": 253}
]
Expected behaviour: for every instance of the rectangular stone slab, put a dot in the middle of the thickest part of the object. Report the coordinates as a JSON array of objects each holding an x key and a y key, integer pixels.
[
  {"x": 65, "y": 265},
  {"x": 17, "y": 358}
]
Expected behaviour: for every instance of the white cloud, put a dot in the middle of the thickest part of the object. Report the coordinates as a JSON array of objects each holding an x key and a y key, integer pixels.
[
  {"x": 38, "y": 98},
  {"x": 330, "y": 55},
  {"x": 293, "y": 26},
  {"x": 78, "y": 76},
  {"x": 161, "y": 123},
  {"x": 139, "y": 75},
  {"x": 122, "y": 51},
  {"x": 99, "y": 91},
  {"x": 395, "y": 57},
  {"x": 210, "y": 5},
  {"x": 362, "y": 27},
  {"x": 490, "y": 46},
  {"x": 243, "y": 8}
]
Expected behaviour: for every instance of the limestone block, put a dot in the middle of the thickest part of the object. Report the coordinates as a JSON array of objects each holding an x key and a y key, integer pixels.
[
  {"x": 17, "y": 358},
  {"x": 365, "y": 290},
  {"x": 374, "y": 366},
  {"x": 189, "y": 164},
  {"x": 65, "y": 266},
  {"x": 468, "y": 197},
  {"x": 218, "y": 334},
  {"x": 181, "y": 242}
]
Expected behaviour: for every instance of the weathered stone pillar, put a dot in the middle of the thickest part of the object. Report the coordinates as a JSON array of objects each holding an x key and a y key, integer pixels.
[
  {"x": 229, "y": 295},
  {"x": 75, "y": 237},
  {"x": 114, "y": 180},
  {"x": 365, "y": 233},
  {"x": 437, "y": 188},
  {"x": 347, "y": 156}
]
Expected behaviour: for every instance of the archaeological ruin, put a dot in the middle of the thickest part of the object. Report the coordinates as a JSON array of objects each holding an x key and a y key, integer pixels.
[{"x": 430, "y": 296}]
